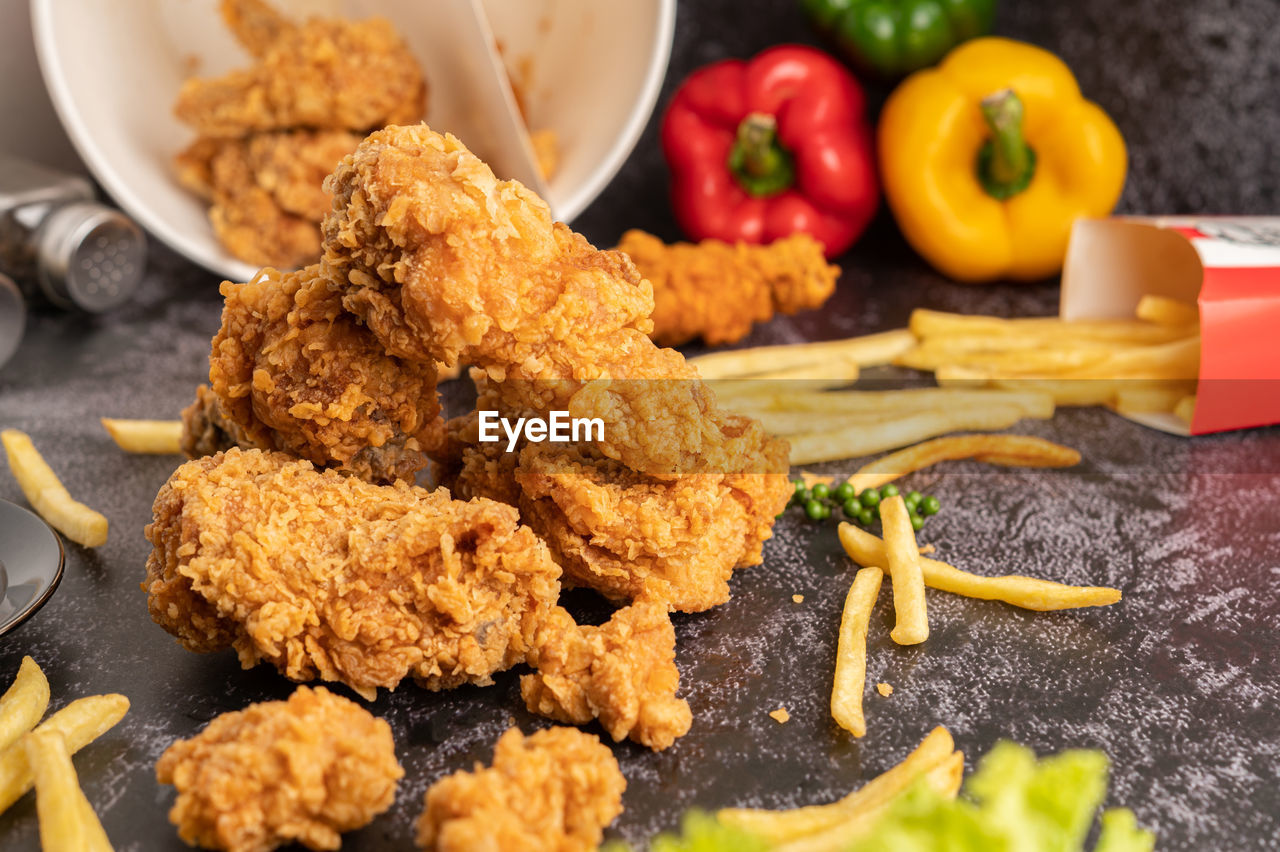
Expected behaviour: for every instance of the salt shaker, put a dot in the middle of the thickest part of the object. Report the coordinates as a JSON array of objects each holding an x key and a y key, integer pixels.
[{"x": 60, "y": 244}]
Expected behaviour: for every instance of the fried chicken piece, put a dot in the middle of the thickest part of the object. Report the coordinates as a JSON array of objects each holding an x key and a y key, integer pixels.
[
  {"x": 329, "y": 576},
  {"x": 554, "y": 791},
  {"x": 294, "y": 372},
  {"x": 279, "y": 772},
  {"x": 622, "y": 673},
  {"x": 716, "y": 291},
  {"x": 266, "y": 190},
  {"x": 205, "y": 431},
  {"x": 246, "y": 218},
  {"x": 327, "y": 73},
  {"x": 444, "y": 262},
  {"x": 615, "y": 530}
]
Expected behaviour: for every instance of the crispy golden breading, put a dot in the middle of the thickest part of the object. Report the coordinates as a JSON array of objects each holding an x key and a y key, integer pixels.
[
  {"x": 266, "y": 190},
  {"x": 554, "y": 791},
  {"x": 327, "y": 576},
  {"x": 326, "y": 73},
  {"x": 303, "y": 770},
  {"x": 294, "y": 372},
  {"x": 617, "y": 531},
  {"x": 444, "y": 262},
  {"x": 205, "y": 431},
  {"x": 717, "y": 291},
  {"x": 622, "y": 673}
]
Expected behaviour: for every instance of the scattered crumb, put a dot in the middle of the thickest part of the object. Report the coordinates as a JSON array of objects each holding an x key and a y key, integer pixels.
[
  {"x": 812, "y": 479},
  {"x": 927, "y": 549},
  {"x": 884, "y": 689},
  {"x": 781, "y": 716},
  {"x": 797, "y": 598}
]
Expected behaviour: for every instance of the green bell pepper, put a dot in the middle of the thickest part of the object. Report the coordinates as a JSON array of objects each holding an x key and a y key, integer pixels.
[{"x": 895, "y": 37}]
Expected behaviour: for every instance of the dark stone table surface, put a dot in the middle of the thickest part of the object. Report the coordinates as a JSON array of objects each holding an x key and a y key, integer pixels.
[{"x": 1179, "y": 683}]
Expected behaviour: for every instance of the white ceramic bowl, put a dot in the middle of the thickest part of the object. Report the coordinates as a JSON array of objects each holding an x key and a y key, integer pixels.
[{"x": 114, "y": 67}]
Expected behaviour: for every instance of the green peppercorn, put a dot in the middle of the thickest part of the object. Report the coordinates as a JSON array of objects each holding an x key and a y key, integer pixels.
[
  {"x": 912, "y": 501},
  {"x": 801, "y": 493},
  {"x": 888, "y": 491},
  {"x": 917, "y": 523},
  {"x": 866, "y": 517},
  {"x": 929, "y": 506},
  {"x": 870, "y": 498},
  {"x": 851, "y": 508},
  {"x": 843, "y": 491},
  {"x": 820, "y": 491},
  {"x": 817, "y": 510}
]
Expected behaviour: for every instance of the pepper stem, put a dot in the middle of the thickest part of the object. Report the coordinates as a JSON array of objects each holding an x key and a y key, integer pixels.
[
  {"x": 1006, "y": 163},
  {"x": 759, "y": 163}
]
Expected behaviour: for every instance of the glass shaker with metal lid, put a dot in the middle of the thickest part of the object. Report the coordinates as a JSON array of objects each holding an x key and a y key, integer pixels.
[{"x": 60, "y": 244}]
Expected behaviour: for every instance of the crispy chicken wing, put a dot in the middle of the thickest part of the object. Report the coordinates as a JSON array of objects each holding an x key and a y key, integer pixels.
[
  {"x": 622, "y": 673},
  {"x": 303, "y": 770},
  {"x": 324, "y": 73},
  {"x": 717, "y": 291},
  {"x": 444, "y": 262},
  {"x": 294, "y": 372},
  {"x": 553, "y": 791},
  {"x": 329, "y": 576}
]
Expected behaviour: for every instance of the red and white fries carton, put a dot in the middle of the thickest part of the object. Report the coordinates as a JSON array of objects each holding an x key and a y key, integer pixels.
[{"x": 1229, "y": 265}]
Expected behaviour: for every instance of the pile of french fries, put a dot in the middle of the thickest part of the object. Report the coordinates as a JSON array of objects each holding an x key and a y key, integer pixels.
[
  {"x": 991, "y": 373},
  {"x": 832, "y": 827},
  {"x": 40, "y": 756}
]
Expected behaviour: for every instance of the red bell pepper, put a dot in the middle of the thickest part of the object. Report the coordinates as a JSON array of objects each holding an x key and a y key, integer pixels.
[{"x": 771, "y": 146}]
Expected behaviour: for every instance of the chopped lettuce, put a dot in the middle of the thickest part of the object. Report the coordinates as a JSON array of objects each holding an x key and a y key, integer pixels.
[{"x": 1011, "y": 803}]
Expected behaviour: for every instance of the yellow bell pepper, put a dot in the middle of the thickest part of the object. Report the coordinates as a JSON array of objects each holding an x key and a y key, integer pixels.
[{"x": 990, "y": 157}]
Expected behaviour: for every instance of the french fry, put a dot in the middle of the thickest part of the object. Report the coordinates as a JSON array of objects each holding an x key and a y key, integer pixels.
[
  {"x": 865, "y": 439},
  {"x": 903, "y": 556},
  {"x": 1179, "y": 359},
  {"x": 758, "y": 394},
  {"x": 1165, "y": 311},
  {"x": 1065, "y": 392},
  {"x": 1186, "y": 408},
  {"x": 927, "y": 324},
  {"x": 804, "y": 422},
  {"x": 1046, "y": 360},
  {"x": 23, "y": 703},
  {"x": 865, "y": 351},
  {"x": 893, "y": 403},
  {"x": 67, "y": 820},
  {"x": 47, "y": 494},
  {"x": 80, "y": 723},
  {"x": 1148, "y": 397},
  {"x": 1012, "y": 450},
  {"x": 153, "y": 437},
  {"x": 835, "y": 370},
  {"x": 1026, "y": 592},
  {"x": 851, "y": 652},
  {"x": 787, "y": 825}
]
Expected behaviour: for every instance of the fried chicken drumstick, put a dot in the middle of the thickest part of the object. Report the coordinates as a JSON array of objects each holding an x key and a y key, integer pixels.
[
  {"x": 717, "y": 291},
  {"x": 444, "y": 262},
  {"x": 291, "y": 371},
  {"x": 329, "y": 576},
  {"x": 278, "y": 772}
]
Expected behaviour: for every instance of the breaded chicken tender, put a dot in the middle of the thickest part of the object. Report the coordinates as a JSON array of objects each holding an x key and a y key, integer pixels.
[
  {"x": 279, "y": 772},
  {"x": 717, "y": 290},
  {"x": 444, "y": 262},
  {"x": 622, "y": 673},
  {"x": 326, "y": 73},
  {"x": 327, "y": 576},
  {"x": 294, "y": 372},
  {"x": 554, "y": 791}
]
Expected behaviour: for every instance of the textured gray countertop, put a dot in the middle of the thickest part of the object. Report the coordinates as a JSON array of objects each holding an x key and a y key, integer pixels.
[{"x": 1179, "y": 683}]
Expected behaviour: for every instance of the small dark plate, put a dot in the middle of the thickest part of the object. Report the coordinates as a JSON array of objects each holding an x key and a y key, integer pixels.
[{"x": 31, "y": 557}]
